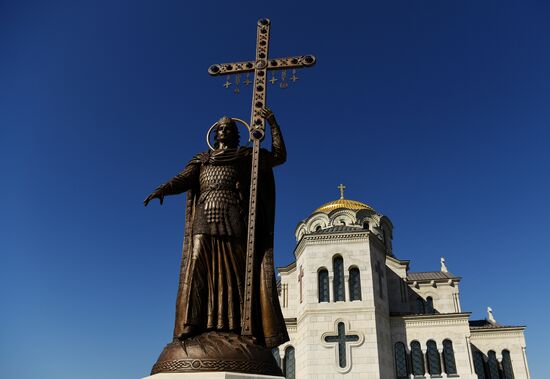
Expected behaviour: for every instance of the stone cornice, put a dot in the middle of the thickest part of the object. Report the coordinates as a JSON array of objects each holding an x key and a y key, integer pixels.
[
  {"x": 399, "y": 261},
  {"x": 330, "y": 312},
  {"x": 337, "y": 237},
  {"x": 286, "y": 269},
  {"x": 432, "y": 320},
  {"x": 501, "y": 331}
]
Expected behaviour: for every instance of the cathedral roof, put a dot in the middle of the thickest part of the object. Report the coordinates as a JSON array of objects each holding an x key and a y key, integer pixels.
[
  {"x": 485, "y": 324},
  {"x": 431, "y": 275},
  {"x": 343, "y": 203},
  {"x": 340, "y": 229}
]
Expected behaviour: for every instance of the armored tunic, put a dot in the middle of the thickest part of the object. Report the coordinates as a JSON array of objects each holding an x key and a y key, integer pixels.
[{"x": 220, "y": 207}]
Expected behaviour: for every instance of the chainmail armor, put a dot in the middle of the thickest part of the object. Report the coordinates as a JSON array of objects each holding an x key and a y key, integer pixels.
[{"x": 219, "y": 202}]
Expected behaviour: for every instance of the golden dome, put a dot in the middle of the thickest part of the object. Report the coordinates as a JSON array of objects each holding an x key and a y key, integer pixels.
[{"x": 343, "y": 203}]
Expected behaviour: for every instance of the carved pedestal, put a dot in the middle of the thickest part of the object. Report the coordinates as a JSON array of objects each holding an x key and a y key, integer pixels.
[
  {"x": 211, "y": 375},
  {"x": 216, "y": 353}
]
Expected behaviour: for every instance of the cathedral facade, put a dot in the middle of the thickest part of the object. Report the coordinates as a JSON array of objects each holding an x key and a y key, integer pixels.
[{"x": 353, "y": 309}]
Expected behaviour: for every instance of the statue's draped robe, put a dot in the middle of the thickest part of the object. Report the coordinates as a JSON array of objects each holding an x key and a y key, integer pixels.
[{"x": 212, "y": 276}]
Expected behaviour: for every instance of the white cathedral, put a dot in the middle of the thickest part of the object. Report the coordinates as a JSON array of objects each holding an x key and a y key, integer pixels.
[{"x": 354, "y": 310}]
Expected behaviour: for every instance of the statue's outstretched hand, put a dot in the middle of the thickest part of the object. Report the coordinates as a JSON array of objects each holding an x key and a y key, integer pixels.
[
  {"x": 158, "y": 194},
  {"x": 268, "y": 115}
]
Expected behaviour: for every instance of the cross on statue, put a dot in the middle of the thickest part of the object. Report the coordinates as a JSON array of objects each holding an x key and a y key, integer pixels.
[
  {"x": 344, "y": 343},
  {"x": 380, "y": 273},
  {"x": 341, "y": 187},
  {"x": 300, "y": 277},
  {"x": 259, "y": 67}
]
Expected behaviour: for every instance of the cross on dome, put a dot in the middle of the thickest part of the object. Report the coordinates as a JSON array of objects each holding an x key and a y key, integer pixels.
[{"x": 341, "y": 187}]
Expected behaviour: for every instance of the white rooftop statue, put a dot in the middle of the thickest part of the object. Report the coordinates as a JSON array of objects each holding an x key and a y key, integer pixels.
[
  {"x": 443, "y": 267},
  {"x": 490, "y": 316}
]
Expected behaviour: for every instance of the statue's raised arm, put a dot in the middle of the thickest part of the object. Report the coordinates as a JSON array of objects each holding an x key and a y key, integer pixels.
[{"x": 278, "y": 148}]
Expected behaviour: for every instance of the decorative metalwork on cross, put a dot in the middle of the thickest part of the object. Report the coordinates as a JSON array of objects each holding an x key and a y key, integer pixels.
[
  {"x": 344, "y": 343},
  {"x": 259, "y": 67}
]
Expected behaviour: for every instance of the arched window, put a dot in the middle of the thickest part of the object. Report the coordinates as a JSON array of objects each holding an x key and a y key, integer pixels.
[
  {"x": 322, "y": 278},
  {"x": 317, "y": 228},
  {"x": 429, "y": 305},
  {"x": 449, "y": 357},
  {"x": 354, "y": 284},
  {"x": 479, "y": 365},
  {"x": 417, "y": 359},
  {"x": 401, "y": 361},
  {"x": 493, "y": 365},
  {"x": 290, "y": 363},
  {"x": 420, "y": 306},
  {"x": 434, "y": 362},
  {"x": 507, "y": 365},
  {"x": 365, "y": 225},
  {"x": 338, "y": 282},
  {"x": 276, "y": 355}
]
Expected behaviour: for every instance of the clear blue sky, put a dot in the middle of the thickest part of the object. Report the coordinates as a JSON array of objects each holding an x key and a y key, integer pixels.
[{"x": 436, "y": 113}]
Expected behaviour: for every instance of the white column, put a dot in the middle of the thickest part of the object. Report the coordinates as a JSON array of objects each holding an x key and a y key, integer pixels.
[
  {"x": 331, "y": 287},
  {"x": 347, "y": 297},
  {"x": 525, "y": 363},
  {"x": 441, "y": 362},
  {"x": 469, "y": 349}
]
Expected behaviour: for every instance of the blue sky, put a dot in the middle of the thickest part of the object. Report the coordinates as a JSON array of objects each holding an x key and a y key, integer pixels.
[{"x": 433, "y": 112}]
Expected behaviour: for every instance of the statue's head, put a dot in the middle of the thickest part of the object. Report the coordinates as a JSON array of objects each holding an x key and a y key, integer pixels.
[{"x": 227, "y": 133}]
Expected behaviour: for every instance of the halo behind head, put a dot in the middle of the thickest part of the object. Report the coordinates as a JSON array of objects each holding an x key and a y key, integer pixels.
[{"x": 224, "y": 120}]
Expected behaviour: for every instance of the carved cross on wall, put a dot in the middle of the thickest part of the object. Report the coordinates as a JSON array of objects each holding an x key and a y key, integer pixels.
[
  {"x": 344, "y": 343},
  {"x": 380, "y": 272},
  {"x": 300, "y": 278}
]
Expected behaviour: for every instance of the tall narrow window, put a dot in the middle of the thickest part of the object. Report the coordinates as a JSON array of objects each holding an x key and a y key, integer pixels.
[
  {"x": 434, "y": 362},
  {"x": 493, "y": 365},
  {"x": 449, "y": 357},
  {"x": 429, "y": 305},
  {"x": 290, "y": 363},
  {"x": 479, "y": 365},
  {"x": 507, "y": 365},
  {"x": 354, "y": 284},
  {"x": 401, "y": 361},
  {"x": 338, "y": 282},
  {"x": 276, "y": 355},
  {"x": 417, "y": 359},
  {"x": 420, "y": 306},
  {"x": 322, "y": 278}
]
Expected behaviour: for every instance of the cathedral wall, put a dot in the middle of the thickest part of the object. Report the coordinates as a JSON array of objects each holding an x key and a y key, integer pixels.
[
  {"x": 499, "y": 339},
  {"x": 315, "y": 356},
  {"x": 445, "y": 296},
  {"x": 397, "y": 286},
  {"x": 437, "y": 328},
  {"x": 288, "y": 297}
]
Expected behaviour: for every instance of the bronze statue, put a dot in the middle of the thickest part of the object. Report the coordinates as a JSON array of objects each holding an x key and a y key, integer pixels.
[{"x": 211, "y": 306}]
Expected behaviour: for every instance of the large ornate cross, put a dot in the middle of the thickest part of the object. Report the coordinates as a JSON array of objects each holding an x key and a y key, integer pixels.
[
  {"x": 344, "y": 341},
  {"x": 260, "y": 66}
]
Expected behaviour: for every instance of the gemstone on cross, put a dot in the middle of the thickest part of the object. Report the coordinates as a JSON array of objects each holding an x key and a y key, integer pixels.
[{"x": 343, "y": 342}]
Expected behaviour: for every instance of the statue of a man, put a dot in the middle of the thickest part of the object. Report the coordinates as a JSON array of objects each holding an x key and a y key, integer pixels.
[{"x": 212, "y": 278}]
